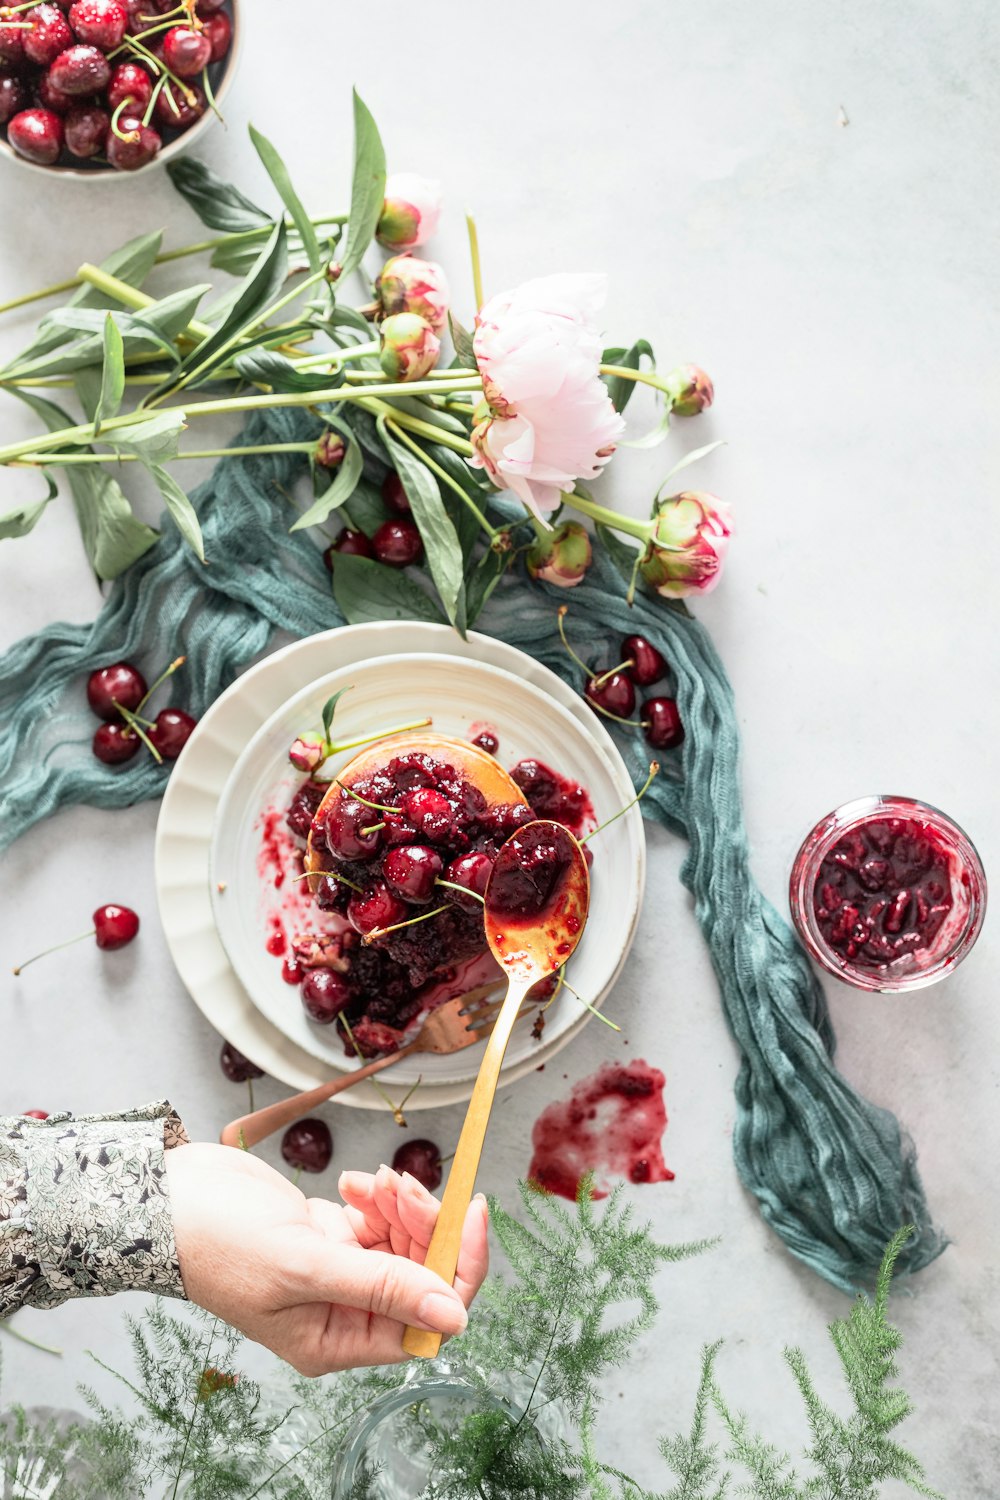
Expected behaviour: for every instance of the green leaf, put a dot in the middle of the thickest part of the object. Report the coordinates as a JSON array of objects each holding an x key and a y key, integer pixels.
[
  {"x": 620, "y": 389},
  {"x": 275, "y": 370},
  {"x": 468, "y": 528},
  {"x": 343, "y": 485},
  {"x": 112, "y": 375},
  {"x": 444, "y": 553},
  {"x": 153, "y": 329},
  {"x": 278, "y": 173},
  {"x": 182, "y": 512},
  {"x": 217, "y": 203},
  {"x": 366, "y": 590},
  {"x": 154, "y": 439},
  {"x": 329, "y": 708},
  {"x": 465, "y": 355},
  {"x": 695, "y": 456},
  {"x": 366, "y": 510},
  {"x": 367, "y": 189},
  {"x": 25, "y": 518},
  {"x": 487, "y": 574},
  {"x": 87, "y": 384}
]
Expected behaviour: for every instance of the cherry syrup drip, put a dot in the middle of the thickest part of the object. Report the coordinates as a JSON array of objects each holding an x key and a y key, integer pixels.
[
  {"x": 883, "y": 891},
  {"x": 612, "y": 1126}
]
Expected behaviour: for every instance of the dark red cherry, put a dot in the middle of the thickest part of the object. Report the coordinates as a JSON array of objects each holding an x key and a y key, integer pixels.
[
  {"x": 209, "y": 7},
  {"x": 308, "y": 1145},
  {"x": 487, "y": 740},
  {"x": 410, "y": 871},
  {"x": 324, "y": 995},
  {"x": 114, "y": 926},
  {"x": 615, "y": 695},
  {"x": 351, "y": 829},
  {"x": 49, "y": 34},
  {"x": 141, "y": 145},
  {"x": 186, "y": 51},
  {"x": 130, "y": 81},
  {"x": 398, "y": 543},
  {"x": 14, "y": 97},
  {"x": 80, "y": 70},
  {"x": 49, "y": 97},
  {"x": 303, "y": 807},
  {"x": 331, "y": 894},
  {"x": 237, "y": 1068},
  {"x": 12, "y": 36},
  {"x": 102, "y": 23},
  {"x": 352, "y": 543},
  {"x": 142, "y": 16},
  {"x": 394, "y": 494},
  {"x": 87, "y": 131},
  {"x": 648, "y": 665},
  {"x": 37, "y": 135},
  {"x": 177, "y": 108},
  {"x": 422, "y": 1160},
  {"x": 42, "y": 1114},
  {"x": 430, "y": 812},
  {"x": 114, "y": 744},
  {"x": 472, "y": 872},
  {"x": 377, "y": 907},
  {"x": 171, "y": 731},
  {"x": 219, "y": 30},
  {"x": 120, "y": 684},
  {"x": 661, "y": 723}
]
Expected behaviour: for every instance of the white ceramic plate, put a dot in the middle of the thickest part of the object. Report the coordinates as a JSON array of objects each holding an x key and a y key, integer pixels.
[
  {"x": 184, "y": 831},
  {"x": 250, "y": 842}
]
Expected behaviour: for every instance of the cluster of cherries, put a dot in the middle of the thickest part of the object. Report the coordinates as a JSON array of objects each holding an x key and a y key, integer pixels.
[
  {"x": 106, "y": 80},
  {"x": 611, "y": 691},
  {"x": 117, "y": 695},
  {"x": 397, "y": 542}
]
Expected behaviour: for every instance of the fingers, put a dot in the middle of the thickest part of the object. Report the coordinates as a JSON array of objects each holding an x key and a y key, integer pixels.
[
  {"x": 474, "y": 1251},
  {"x": 388, "y": 1286}
]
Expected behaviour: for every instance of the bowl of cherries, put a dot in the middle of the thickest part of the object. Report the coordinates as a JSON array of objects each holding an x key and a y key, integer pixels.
[{"x": 93, "y": 87}]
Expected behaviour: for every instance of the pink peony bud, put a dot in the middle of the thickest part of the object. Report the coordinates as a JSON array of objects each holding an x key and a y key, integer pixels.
[
  {"x": 688, "y": 545},
  {"x": 410, "y": 212},
  {"x": 330, "y": 450},
  {"x": 308, "y": 752},
  {"x": 410, "y": 347},
  {"x": 562, "y": 557},
  {"x": 691, "y": 390},
  {"x": 415, "y": 286}
]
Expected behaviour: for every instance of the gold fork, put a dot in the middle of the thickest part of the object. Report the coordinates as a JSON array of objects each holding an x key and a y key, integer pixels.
[{"x": 457, "y": 1024}]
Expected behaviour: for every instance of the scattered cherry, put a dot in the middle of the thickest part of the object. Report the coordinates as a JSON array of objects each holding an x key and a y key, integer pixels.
[
  {"x": 422, "y": 1160},
  {"x": 611, "y": 693},
  {"x": 141, "y": 145},
  {"x": 661, "y": 722},
  {"x": 377, "y": 907},
  {"x": 324, "y": 994},
  {"x": 49, "y": 35},
  {"x": 237, "y": 1068},
  {"x": 394, "y": 494},
  {"x": 102, "y": 23},
  {"x": 43, "y": 1114},
  {"x": 351, "y": 829},
  {"x": 114, "y": 927},
  {"x": 647, "y": 664},
  {"x": 171, "y": 731},
  {"x": 120, "y": 684},
  {"x": 472, "y": 872},
  {"x": 130, "y": 81},
  {"x": 411, "y": 870},
  {"x": 308, "y": 1145},
  {"x": 37, "y": 135},
  {"x": 87, "y": 131},
  {"x": 114, "y": 744},
  {"x": 398, "y": 543},
  {"x": 351, "y": 543},
  {"x": 81, "y": 70},
  {"x": 186, "y": 52}
]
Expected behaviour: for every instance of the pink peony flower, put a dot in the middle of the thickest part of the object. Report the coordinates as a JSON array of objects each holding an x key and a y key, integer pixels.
[
  {"x": 410, "y": 212},
  {"x": 688, "y": 546},
  {"x": 550, "y": 419},
  {"x": 410, "y": 347},
  {"x": 691, "y": 390},
  {"x": 407, "y": 284},
  {"x": 562, "y": 556},
  {"x": 308, "y": 752}
]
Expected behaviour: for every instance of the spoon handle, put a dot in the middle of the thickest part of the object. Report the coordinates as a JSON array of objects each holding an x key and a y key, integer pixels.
[
  {"x": 442, "y": 1253},
  {"x": 250, "y": 1130}
]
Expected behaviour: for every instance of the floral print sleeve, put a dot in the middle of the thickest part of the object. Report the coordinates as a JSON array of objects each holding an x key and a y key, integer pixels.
[{"x": 84, "y": 1208}]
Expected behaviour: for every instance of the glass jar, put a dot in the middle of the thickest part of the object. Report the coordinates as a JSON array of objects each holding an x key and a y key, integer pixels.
[{"x": 887, "y": 893}]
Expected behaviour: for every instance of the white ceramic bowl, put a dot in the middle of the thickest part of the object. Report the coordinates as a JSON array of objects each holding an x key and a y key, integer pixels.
[
  {"x": 248, "y": 835},
  {"x": 222, "y": 80}
]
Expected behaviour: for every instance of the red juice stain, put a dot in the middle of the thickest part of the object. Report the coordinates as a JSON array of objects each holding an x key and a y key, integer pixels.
[
  {"x": 611, "y": 1125},
  {"x": 276, "y": 847},
  {"x": 291, "y": 972}
]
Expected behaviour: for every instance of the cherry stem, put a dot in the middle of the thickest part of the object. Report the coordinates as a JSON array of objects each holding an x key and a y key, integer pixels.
[
  {"x": 378, "y": 932},
  {"x": 123, "y": 106},
  {"x": 356, "y": 797},
  {"x": 592, "y": 1008},
  {"x": 250, "y": 1093},
  {"x": 563, "y": 611},
  {"x": 464, "y": 889},
  {"x": 654, "y": 771},
  {"x": 383, "y": 734},
  {"x": 295, "y": 1176},
  {"x": 67, "y": 944},
  {"x": 320, "y": 874},
  {"x": 372, "y": 828},
  {"x": 600, "y": 681},
  {"x": 136, "y": 726},
  {"x": 23, "y": 1338},
  {"x": 151, "y": 106},
  {"x": 632, "y": 723},
  {"x": 173, "y": 667}
]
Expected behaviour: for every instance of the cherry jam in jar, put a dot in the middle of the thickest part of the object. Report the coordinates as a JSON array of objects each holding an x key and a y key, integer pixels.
[{"x": 888, "y": 894}]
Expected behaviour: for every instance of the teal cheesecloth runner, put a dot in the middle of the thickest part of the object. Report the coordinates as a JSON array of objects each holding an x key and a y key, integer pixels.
[{"x": 834, "y": 1175}]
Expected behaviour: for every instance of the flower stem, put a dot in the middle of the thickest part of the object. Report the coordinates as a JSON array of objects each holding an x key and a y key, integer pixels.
[
  {"x": 61, "y": 460},
  {"x": 129, "y": 296},
  {"x": 641, "y": 529},
  {"x": 643, "y": 377},
  {"x": 383, "y": 734},
  {"x": 368, "y": 399},
  {"x": 445, "y": 478},
  {"x": 477, "y": 273}
]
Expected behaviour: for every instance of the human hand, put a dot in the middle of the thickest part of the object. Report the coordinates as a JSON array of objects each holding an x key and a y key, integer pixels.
[{"x": 326, "y": 1287}]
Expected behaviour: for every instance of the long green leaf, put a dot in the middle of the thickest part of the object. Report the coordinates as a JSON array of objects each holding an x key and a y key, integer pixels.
[
  {"x": 278, "y": 173},
  {"x": 341, "y": 489},
  {"x": 620, "y": 389},
  {"x": 366, "y": 590},
  {"x": 152, "y": 329},
  {"x": 483, "y": 580},
  {"x": 217, "y": 203},
  {"x": 275, "y": 370},
  {"x": 367, "y": 188},
  {"x": 444, "y": 552},
  {"x": 465, "y": 356},
  {"x": 112, "y": 374},
  {"x": 154, "y": 439},
  {"x": 183, "y": 513},
  {"x": 25, "y": 518}
]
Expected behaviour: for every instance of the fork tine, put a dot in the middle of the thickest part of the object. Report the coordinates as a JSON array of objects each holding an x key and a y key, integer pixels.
[
  {"x": 484, "y": 1030},
  {"x": 488, "y": 1011}
]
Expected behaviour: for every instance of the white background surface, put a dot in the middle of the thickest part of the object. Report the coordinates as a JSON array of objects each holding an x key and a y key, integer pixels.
[{"x": 837, "y": 282}]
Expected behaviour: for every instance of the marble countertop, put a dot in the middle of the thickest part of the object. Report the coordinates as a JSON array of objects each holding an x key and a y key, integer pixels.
[{"x": 796, "y": 198}]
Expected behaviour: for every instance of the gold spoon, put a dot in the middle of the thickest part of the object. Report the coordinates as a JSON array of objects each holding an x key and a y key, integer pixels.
[{"x": 536, "y": 909}]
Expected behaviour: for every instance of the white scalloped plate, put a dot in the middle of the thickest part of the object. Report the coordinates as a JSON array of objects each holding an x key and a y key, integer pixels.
[{"x": 288, "y": 687}]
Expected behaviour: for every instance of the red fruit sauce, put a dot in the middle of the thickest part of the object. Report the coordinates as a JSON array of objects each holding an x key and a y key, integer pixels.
[{"x": 611, "y": 1125}]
